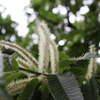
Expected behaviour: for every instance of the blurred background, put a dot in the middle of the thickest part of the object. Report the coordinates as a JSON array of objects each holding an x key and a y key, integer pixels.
[{"x": 74, "y": 24}]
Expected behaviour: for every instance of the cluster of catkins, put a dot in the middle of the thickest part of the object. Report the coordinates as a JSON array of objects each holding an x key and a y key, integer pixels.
[{"x": 48, "y": 57}]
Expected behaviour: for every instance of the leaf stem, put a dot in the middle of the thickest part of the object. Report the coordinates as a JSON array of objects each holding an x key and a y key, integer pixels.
[{"x": 37, "y": 73}]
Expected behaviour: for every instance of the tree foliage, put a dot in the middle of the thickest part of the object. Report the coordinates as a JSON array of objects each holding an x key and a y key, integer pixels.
[{"x": 71, "y": 83}]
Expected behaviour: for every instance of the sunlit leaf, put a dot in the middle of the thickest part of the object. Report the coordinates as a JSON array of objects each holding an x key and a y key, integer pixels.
[{"x": 63, "y": 56}]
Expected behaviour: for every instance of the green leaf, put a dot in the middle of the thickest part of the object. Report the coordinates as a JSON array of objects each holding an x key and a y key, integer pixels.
[
  {"x": 15, "y": 64},
  {"x": 51, "y": 16},
  {"x": 28, "y": 90},
  {"x": 78, "y": 71},
  {"x": 6, "y": 74},
  {"x": 81, "y": 79},
  {"x": 65, "y": 69},
  {"x": 65, "y": 63},
  {"x": 63, "y": 55},
  {"x": 64, "y": 87},
  {"x": 90, "y": 90},
  {"x": 45, "y": 91},
  {"x": 12, "y": 76}
]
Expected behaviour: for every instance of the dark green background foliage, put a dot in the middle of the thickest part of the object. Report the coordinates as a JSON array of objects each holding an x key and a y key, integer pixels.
[{"x": 82, "y": 34}]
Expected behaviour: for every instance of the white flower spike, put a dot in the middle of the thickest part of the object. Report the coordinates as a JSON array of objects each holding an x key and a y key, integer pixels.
[
  {"x": 92, "y": 67},
  {"x": 23, "y": 64},
  {"x": 26, "y": 55},
  {"x": 44, "y": 40},
  {"x": 54, "y": 57}
]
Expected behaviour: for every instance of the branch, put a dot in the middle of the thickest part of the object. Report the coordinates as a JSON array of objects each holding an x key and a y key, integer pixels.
[{"x": 37, "y": 73}]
